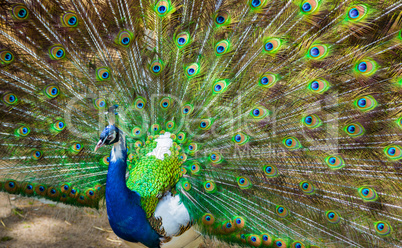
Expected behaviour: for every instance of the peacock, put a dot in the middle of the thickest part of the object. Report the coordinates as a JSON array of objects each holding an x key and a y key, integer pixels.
[{"x": 262, "y": 123}]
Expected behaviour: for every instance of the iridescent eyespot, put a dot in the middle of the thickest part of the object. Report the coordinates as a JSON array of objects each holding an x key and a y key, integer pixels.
[
  {"x": 332, "y": 216},
  {"x": 215, "y": 158},
  {"x": 222, "y": 47},
  {"x": 291, "y": 143},
  {"x": 357, "y": 12},
  {"x": 165, "y": 102},
  {"x": 318, "y": 51},
  {"x": 187, "y": 109},
  {"x": 208, "y": 219},
  {"x": 335, "y": 162},
  {"x": 240, "y": 139},
  {"x": 365, "y": 103},
  {"x": 59, "y": 125},
  {"x": 309, "y": 6},
  {"x": 139, "y": 103},
  {"x": 399, "y": 122},
  {"x": 209, "y": 187},
  {"x": 37, "y": 154},
  {"x": 183, "y": 171},
  {"x": 20, "y": 12},
  {"x": 220, "y": 86},
  {"x": 82, "y": 199},
  {"x": 272, "y": 45},
  {"x": 100, "y": 103},
  {"x": 6, "y": 57},
  {"x": 382, "y": 228},
  {"x": 11, "y": 186},
  {"x": 69, "y": 19},
  {"x": 267, "y": 80},
  {"x": 254, "y": 240},
  {"x": 270, "y": 171},
  {"x": 10, "y": 99},
  {"x": 90, "y": 193},
  {"x": 136, "y": 132},
  {"x": 367, "y": 194},
  {"x": 222, "y": 18},
  {"x": 186, "y": 185},
  {"x": 22, "y": 131},
  {"x": 259, "y": 113},
  {"x": 319, "y": 86},
  {"x": 124, "y": 38},
  {"x": 28, "y": 188},
  {"x": 163, "y": 7},
  {"x": 105, "y": 160},
  {"x": 103, "y": 73},
  {"x": 312, "y": 121},
  {"x": 181, "y": 137},
  {"x": 192, "y": 148},
  {"x": 195, "y": 169},
  {"x": 53, "y": 192},
  {"x": 244, "y": 182},
  {"x": 192, "y": 70},
  {"x": 307, "y": 188},
  {"x": 281, "y": 211},
  {"x": 205, "y": 124},
  {"x": 354, "y": 130},
  {"x": 183, "y": 157},
  {"x": 366, "y": 67},
  {"x": 156, "y": 67},
  {"x": 57, "y": 52},
  {"x": 138, "y": 143},
  {"x": 297, "y": 244},
  {"x": 74, "y": 192},
  {"x": 170, "y": 125},
  {"x": 182, "y": 39},
  {"x": 266, "y": 239},
  {"x": 238, "y": 222},
  {"x": 393, "y": 152},
  {"x": 155, "y": 128},
  {"x": 256, "y": 4},
  {"x": 52, "y": 91},
  {"x": 76, "y": 147},
  {"x": 228, "y": 227}
]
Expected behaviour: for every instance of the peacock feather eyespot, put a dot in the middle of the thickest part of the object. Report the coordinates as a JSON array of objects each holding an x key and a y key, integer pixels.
[
  {"x": 154, "y": 128},
  {"x": 367, "y": 194},
  {"x": 183, "y": 157},
  {"x": 139, "y": 103},
  {"x": 365, "y": 103},
  {"x": 297, "y": 244},
  {"x": 74, "y": 192},
  {"x": 183, "y": 171},
  {"x": 76, "y": 147},
  {"x": 272, "y": 45},
  {"x": 192, "y": 147},
  {"x": 187, "y": 109},
  {"x": 103, "y": 73},
  {"x": 399, "y": 122},
  {"x": 100, "y": 103},
  {"x": 11, "y": 186},
  {"x": 354, "y": 130},
  {"x": 28, "y": 188},
  {"x": 307, "y": 188},
  {"x": 181, "y": 137},
  {"x": 208, "y": 219},
  {"x": 309, "y": 6},
  {"x": 335, "y": 162},
  {"x": 280, "y": 243},
  {"x": 244, "y": 182},
  {"x": 52, "y": 91},
  {"x": 240, "y": 139},
  {"x": 311, "y": 121},
  {"x": 156, "y": 67},
  {"x": 205, "y": 124},
  {"x": 222, "y": 47},
  {"x": 36, "y": 154},
  {"x": 357, "y": 13},
  {"x": 192, "y": 70},
  {"x": 105, "y": 161},
  {"x": 57, "y": 52},
  {"x": 22, "y": 131},
  {"x": 291, "y": 143},
  {"x": 69, "y": 19},
  {"x": 393, "y": 152},
  {"x": 90, "y": 193},
  {"x": 10, "y": 99},
  {"x": 124, "y": 38},
  {"x": 220, "y": 86},
  {"x": 182, "y": 39},
  {"x": 6, "y": 57},
  {"x": 59, "y": 125},
  {"x": 53, "y": 193},
  {"x": 238, "y": 222},
  {"x": 266, "y": 239},
  {"x": 332, "y": 216},
  {"x": 163, "y": 7},
  {"x": 267, "y": 80},
  {"x": 254, "y": 240},
  {"x": 209, "y": 187},
  {"x": 19, "y": 12},
  {"x": 136, "y": 132},
  {"x": 195, "y": 169},
  {"x": 165, "y": 102},
  {"x": 382, "y": 228},
  {"x": 257, "y": 4},
  {"x": 318, "y": 86},
  {"x": 170, "y": 125},
  {"x": 281, "y": 211},
  {"x": 366, "y": 67},
  {"x": 318, "y": 52},
  {"x": 270, "y": 171},
  {"x": 40, "y": 189},
  {"x": 82, "y": 199},
  {"x": 138, "y": 143},
  {"x": 221, "y": 18},
  {"x": 259, "y": 112},
  {"x": 186, "y": 185}
]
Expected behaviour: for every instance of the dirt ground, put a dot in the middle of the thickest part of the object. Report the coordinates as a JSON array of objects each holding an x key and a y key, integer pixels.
[{"x": 29, "y": 223}]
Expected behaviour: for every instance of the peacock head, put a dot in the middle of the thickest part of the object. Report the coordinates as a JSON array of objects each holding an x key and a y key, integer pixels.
[{"x": 109, "y": 135}]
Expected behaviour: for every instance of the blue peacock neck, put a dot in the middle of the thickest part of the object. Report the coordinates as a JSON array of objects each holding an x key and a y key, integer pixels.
[{"x": 126, "y": 216}]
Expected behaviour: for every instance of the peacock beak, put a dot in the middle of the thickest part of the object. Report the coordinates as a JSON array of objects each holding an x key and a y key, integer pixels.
[{"x": 99, "y": 145}]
